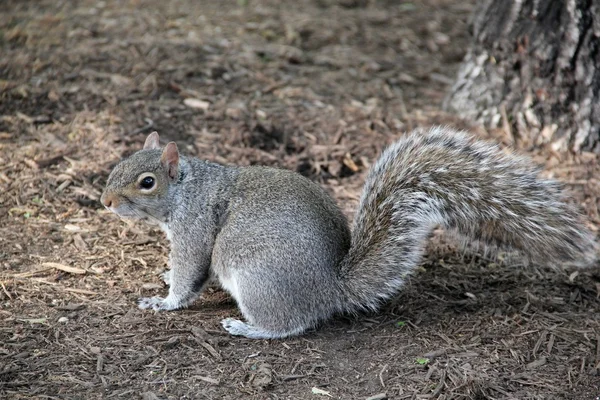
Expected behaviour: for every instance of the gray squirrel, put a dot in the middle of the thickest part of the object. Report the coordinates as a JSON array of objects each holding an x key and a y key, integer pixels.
[{"x": 278, "y": 243}]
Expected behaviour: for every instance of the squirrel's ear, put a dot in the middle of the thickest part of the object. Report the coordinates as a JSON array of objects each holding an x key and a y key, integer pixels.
[
  {"x": 170, "y": 159},
  {"x": 152, "y": 141}
]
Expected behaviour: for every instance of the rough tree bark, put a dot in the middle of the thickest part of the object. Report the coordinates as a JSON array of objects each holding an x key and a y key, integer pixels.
[{"x": 534, "y": 69}]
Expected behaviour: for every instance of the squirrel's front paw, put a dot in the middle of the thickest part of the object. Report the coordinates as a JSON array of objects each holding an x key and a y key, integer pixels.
[
  {"x": 155, "y": 303},
  {"x": 166, "y": 277}
]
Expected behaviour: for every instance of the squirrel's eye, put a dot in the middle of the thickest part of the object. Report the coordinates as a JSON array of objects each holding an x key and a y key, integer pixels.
[{"x": 147, "y": 183}]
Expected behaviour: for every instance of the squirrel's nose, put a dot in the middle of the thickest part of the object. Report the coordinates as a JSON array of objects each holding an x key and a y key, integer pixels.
[{"x": 108, "y": 200}]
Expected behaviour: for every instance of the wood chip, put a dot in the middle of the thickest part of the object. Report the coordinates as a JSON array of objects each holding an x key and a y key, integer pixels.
[
  {"x": 550, "y": 343},
  {"x": 65, "y": 268},
  {"x": 81, "y": 291},
  {"x": 211, "y": 350},
  {"x": 150, "y": 396},
  {"x": 537, "y": 363},
  {"x": 33, "y": 320},
  {"x": 436, "y": 353},
  {"x": 47, "y": 162},
  {"x": 286, "y": 378},
  {"x": 29, "y": 274},
  {"x": 598, "y": 349},
  {"x": 71, "y": 307},
  {"x": 30, "y": 163},
  {"x": 322, "y": 392},
  {"x": 99, "y": 363},
  {"x": 63, "y": 186},
  {"x": 208, "y": 379},
  {"x": 349, "y": 162},
  {"x": 152, "y": 286},
  {"x": 80, "y": 243},
  {"x": 73, "y": 228},
  {"x": 380, "y": 396},
  {"x": 197, "y": 103},
  {"x": 5, "y": 291}
]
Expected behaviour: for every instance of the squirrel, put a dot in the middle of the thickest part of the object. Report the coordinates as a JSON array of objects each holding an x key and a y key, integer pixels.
[{"x": 278, "y": 243}]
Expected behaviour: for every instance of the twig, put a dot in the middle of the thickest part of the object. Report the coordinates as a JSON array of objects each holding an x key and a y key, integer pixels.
[
  {"x": 29, "y": 274},
  {"x": 440, "y": 385},
  {"x": 211, "y": 350},
  {"x": 381, "y": 375},
  {"x": 506, "y": 124},
  {"x": 80, "y": 291},
  {"x": 8, "y": 294},
  {"x": 597, "y": 349},
  {"x": 149, "y": 125},
  {"x": 286, "y": 378}
]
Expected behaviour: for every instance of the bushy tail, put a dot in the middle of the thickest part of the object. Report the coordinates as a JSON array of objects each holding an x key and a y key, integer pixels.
[{"x": 448, "y": 178}]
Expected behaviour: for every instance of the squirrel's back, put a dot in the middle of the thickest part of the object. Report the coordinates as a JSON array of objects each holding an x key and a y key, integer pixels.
[{"x": 287, "y": 207}]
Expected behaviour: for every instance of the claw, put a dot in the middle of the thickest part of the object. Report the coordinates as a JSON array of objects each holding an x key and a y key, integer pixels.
[
  {"x": 240, "y": 328},
  {"x": 159, "y": 304},
  {"x": 166, "y": 277},
  {"x": 234, "y": 326}
]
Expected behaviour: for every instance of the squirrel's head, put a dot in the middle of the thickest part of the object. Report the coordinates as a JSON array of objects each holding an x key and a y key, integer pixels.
[{"x": 138, "y": 187}]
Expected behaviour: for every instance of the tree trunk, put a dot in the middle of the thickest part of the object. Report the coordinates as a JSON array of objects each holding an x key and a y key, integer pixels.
[{"x": 534, "y": 69}]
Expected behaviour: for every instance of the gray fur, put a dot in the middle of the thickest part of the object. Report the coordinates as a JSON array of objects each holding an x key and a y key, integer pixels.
[
  {"x": 279, "y": 244},
  {"x": 448, "y": 178}
]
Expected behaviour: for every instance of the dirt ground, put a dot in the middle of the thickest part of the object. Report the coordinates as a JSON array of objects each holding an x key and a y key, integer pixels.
[{"x": 317, "y": 86}]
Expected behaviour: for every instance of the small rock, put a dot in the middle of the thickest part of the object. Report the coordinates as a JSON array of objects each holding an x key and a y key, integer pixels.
[{"x": 63, "y": 320}]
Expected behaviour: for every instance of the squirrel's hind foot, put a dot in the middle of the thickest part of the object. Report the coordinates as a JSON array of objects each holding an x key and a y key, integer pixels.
[
  {"x": 240, "y": 328},
  {"x": 157, "y": 303}
]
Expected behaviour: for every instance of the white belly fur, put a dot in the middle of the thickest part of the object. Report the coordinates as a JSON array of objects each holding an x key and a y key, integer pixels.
[
  {"x": 230, "y": 284},
  {"x": 166, "y": 230}
]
